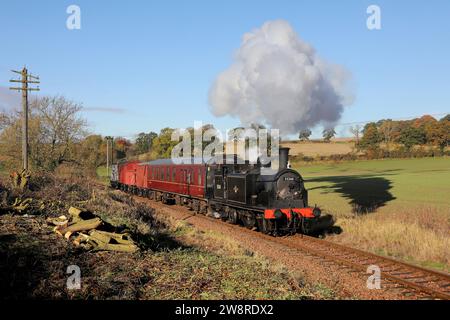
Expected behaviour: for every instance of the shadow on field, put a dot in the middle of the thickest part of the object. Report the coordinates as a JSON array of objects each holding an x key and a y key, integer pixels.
[{"x": 366, "y": 193}]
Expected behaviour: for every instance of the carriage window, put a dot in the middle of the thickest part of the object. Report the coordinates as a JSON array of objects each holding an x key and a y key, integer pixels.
[
  {"x": 173, "y": 174},
  {"x": 199, "y": 177},
  {"x": 167, "y": 174}
]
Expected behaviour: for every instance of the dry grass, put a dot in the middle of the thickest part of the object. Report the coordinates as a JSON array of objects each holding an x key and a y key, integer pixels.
[{"x": 421, "y": 237}]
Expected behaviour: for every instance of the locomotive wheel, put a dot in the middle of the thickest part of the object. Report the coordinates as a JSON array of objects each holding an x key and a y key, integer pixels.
[
  {"x": 232, "y": 216},
  {"x": 263, "y": 225},
  {"x": 248, "y": 219},
  {"x": 196, "y": 206}
]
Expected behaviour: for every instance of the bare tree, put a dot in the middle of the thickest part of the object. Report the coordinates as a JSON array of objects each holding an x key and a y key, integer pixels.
[
  {"x": 356, "y": 131},
  {"x": 387, "y": 128},
  {"x": 5, "y": 120},
  {"x": 55, "y": 128}
]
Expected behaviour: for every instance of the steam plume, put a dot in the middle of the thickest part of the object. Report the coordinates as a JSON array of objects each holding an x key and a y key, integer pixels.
[{"x": 278, "y": 80}]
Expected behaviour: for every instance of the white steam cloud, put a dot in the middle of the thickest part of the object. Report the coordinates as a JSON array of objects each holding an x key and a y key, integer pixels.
[{"x": 278, "y": 80}]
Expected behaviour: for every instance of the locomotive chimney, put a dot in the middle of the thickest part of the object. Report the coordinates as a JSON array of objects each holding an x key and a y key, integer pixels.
[{"x": 284, "y": 157}]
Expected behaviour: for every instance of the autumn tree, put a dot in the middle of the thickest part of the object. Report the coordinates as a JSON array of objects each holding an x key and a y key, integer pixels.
[
  {"x": 371, "y": 137},
  {"x": 92, "y": 152},
  {"x": 163, "y": 144},
  {"x": 411, "y": 136},
  {"x": 446, "y": 118},
  {"x": 439, "y": 134},
  {"x": 122, "y": 147},
  {"x": 144, "y": 142}
]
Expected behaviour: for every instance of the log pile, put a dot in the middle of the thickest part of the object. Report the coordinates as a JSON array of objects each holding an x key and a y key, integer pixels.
[{"x": 83, "y": 227}]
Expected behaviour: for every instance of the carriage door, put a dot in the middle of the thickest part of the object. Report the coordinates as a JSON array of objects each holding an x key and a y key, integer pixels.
[
  {"x": 189, "y": 180},
  {"x": 186, "y": 180},
  {"x": 183, "y": 181}
]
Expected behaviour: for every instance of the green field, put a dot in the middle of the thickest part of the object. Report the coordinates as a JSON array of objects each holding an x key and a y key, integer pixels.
[
  {"x": 396, "y": 207},
  {"x": 374, "y": 184},
  {"x": 103, "y": 175}
]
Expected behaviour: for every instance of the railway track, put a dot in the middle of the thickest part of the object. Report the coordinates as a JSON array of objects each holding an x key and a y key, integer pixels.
[
  {"x": 412, "y": 281},
  {"x": 415, "y": 281}
]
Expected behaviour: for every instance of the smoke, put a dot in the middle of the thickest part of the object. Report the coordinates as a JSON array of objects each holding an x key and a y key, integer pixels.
[{"x": 278, "y": 80}]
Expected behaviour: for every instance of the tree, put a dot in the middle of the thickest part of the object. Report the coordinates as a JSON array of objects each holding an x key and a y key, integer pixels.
[
  {"x": 328, "y": 134},
  {"x": 446, "y": 118},
  {"x": 356, "y": 131},
  {"x": 163, "y": 144},
  {"x": 439, "y": 134},
  {"x": 5, "y": 120},
  {"x": 371, "y": 137},
  {"x": 411, "y": 136},
  {"x": 144, "y": 142},
  {"x": 121, "y": 147},
  {"x": 92, "y": 151},
  {"x": 304, "y": 134},
  {"x": 55, "y": 130},
  {"x": 386, "y": 129},
  {"x": 427, "y": 124}
]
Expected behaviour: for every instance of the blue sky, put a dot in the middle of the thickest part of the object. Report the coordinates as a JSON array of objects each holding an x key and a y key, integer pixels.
[{"x": 145, "y": 65}]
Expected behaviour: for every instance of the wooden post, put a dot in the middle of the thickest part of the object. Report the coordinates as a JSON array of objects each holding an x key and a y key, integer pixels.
[
  {"x": 25, "y": 118},
  {"x": 25, "y": 80}
]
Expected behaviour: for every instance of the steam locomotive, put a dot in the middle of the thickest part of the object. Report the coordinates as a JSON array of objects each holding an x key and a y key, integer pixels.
[{"x": 237, "y": 192}]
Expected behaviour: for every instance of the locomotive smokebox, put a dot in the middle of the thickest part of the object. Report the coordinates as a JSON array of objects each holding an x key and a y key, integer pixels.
[{"x": 284, "y": 157}]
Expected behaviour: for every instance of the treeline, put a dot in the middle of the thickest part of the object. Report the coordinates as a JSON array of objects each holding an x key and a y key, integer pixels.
[
  {"x": 424, "y": 136},
  {"x": 58, "y": 138}
]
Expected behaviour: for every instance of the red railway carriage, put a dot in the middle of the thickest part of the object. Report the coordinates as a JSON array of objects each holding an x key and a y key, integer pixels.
[
  {"x": 184, "y": 179},
  {"x": 127, "y": 173},
  {"x": 165, "y": 176}
]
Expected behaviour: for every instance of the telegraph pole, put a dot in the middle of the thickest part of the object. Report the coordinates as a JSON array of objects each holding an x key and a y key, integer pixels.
[
  {"x": 107, "y": 156},
  {"x": 25, "y": 80},
  {"x": 108, "y": 140}
]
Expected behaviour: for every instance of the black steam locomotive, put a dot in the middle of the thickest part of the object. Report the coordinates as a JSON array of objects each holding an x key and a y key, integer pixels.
[{"x": 273, "y": 202}]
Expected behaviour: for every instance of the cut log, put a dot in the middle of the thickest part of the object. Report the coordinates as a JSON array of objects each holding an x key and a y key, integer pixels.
[
  {"x": 106, "y": 237},
  {"x": 60, "y": 221},
  {"x": 82, "y": 238},
  {"x": 75, "y": 213},
  {"x": 116, "y": 247},
  {"x": 82, "y": 225}
]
